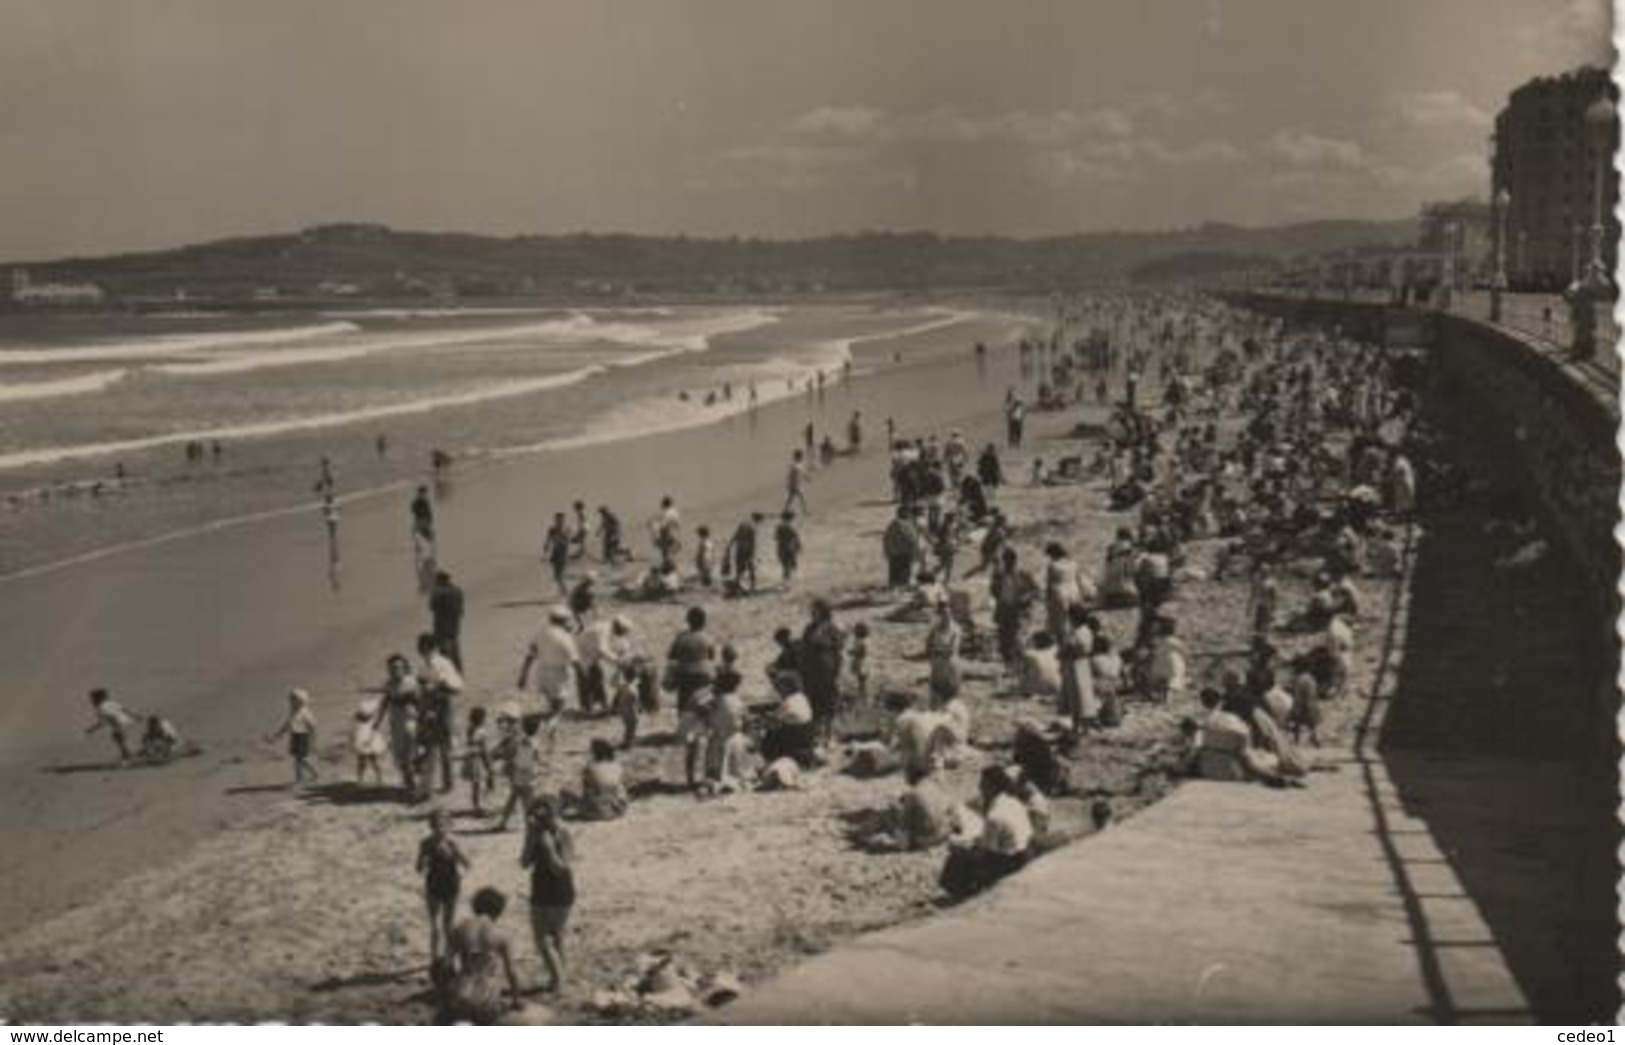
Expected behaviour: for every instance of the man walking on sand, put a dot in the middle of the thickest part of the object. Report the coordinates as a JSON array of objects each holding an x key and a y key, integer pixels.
[
  {"x": 446, "y": 613},
  {"x": 795, "y": 483}
]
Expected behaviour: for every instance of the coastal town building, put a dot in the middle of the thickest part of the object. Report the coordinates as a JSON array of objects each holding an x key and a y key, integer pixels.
[
  {"x": 24, "y": 291},
  {"x": 1556, "y": 168},
  {"x": 1459, "y": 233}
]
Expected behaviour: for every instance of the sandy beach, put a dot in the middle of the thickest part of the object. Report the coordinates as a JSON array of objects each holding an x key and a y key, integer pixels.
[{"x": 215, "y": 850}]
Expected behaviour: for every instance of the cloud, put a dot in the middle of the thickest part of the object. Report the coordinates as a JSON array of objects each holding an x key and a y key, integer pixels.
[
  {"x": 949, "y": 126},
  {"x": 1213, "y": 18},
  {"x": 1443, "y": 110},
  {"x": 1306, "y": 149}
]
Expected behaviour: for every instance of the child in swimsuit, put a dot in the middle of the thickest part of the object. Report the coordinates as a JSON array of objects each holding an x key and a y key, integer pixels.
[{"x": 441, "y": 863}]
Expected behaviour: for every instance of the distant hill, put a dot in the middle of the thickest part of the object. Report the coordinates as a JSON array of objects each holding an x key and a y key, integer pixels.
[
  {"x": 376, "y": 261},
  {"x": 1198, "y": 266}
]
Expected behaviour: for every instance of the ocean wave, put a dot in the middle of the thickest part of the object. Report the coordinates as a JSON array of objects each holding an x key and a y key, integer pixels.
[
  {"x": 315, "y": 422},
  {"x": 163, "y": 346},
  {"x": 67, "y": 386},
  {"x": 577, "y": 328}
]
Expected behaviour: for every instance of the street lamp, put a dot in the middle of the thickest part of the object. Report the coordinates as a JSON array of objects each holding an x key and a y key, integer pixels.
[
  {"x": 1498, "y": 285},
  {"x": 1600, "y": 119}
]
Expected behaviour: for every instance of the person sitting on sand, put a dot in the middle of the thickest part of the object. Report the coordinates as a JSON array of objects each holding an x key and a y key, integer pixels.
[
  {"x": 603, "y": 784},
  {"x": 162, "y": 742},
  {"x": 441, "y": 863},
  {"x": 922, "y": 738},
  {"x": 1118, "y": 587},
  {"x": 928, "y": 814},
  {"x": 1032, "y": 752},
  {"x": 1225, "y": 749},
  {"x": 118, "y": 722},
  {"x": 660, "y": 583},
  {"x": 1041, "y": 667},
  {"x": 1003, "y": 846},
  {"x": 480, "y": 966},
  {"x": 793, "y": 733}
]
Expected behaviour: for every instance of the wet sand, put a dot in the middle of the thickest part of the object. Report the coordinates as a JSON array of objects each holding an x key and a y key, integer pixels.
[{"x": 212, "y": 629}]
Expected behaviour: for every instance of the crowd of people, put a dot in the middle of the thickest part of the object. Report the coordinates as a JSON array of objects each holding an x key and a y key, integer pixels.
[{"x": 1269, "y": 448}]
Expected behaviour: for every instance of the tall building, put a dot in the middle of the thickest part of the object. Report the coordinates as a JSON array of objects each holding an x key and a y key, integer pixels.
[{"x": 1557, "y": 171}]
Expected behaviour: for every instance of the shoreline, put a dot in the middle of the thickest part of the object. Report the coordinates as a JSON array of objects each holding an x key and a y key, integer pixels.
[{"x": 164, "y": 502}]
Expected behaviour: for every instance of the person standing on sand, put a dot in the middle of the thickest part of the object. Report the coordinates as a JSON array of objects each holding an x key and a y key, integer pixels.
[
  {"x": 441, "y": 863},
  {"x": 423, "y": 524},
  {"x": 119, "y": 722},
  {"x": 326, "y": 484},
  {"x": 821, "y": 653},
  {"x": 330, "y": 518},
  {"x": 688, "y": 675},
  {"x": 741, "y": 552},
  {"x": 300, "y": 729},
  {"x": 554, "y": 656},
  {"x": 854, "y": 432},
  {"x": 578, "y": 536},
  {"x": 556, "y": 551},
  {"x": 788, "y": 543},
  {"x": 609, "y": 532},
  {"x": 1015, "y": 420},
  {"x": 441, "y": 683},
  {"x": 795, "y": 483},
  {"x": 901, "y": 543},
  {"x": 549, "y": 855},
  {"x": 666, "y": 530},
  {"x": 398, "y": 713},
  {"x": 446, "y": 613}
]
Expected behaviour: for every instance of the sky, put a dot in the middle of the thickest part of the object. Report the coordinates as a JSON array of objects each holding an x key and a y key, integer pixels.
[{"x": 140, "y": 124}]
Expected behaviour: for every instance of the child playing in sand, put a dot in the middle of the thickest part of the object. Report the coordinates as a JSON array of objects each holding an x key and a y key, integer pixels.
[
  {"x": 163, "y": 742},
  {"x": 858, "y": 657},
  {"x": 789, "y": 545},
  {"x": 118, "y": 721},
  {"x": 300, "y": 729},
  {"x": 441, "y": 863},
  {"x": 524, "y": 768},
  {"x": 477, "y": 741},
  {"x": 369, "y": 743}
]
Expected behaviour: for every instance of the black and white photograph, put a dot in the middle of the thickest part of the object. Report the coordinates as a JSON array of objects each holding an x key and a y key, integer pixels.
[{"x": 646, "y": 513}]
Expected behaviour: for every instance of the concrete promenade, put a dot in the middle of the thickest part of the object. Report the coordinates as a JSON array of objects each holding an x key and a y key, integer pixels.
[{"x": 1225, "y": 903}]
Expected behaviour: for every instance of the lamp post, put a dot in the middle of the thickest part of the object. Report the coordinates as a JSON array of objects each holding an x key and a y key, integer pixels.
[
  {"x": 1575, "y": 235},
  {"x": 1595, "y": 286},
  {"x": 1498, "y": 284}
]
